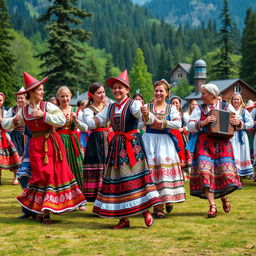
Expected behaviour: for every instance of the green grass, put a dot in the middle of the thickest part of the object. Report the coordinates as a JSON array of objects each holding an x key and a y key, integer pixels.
[{"x": 186, "y": 231}]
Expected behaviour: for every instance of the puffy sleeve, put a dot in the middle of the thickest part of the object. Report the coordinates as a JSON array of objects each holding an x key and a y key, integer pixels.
[
  {"x": 193, "y": 123},
  {"x": 175, "y": 120},
  {"x": 8, "y": 113},
  {"x": 97, "y": 121},
  {"x": 185, "y": 118},
  {"x": 54, "y": 116},
  {"x": 231, "y": 108},
  {"x": 8, "y": 123},
  {"x": 142, "y": 122},
  {"x": 249, "y": 123}
]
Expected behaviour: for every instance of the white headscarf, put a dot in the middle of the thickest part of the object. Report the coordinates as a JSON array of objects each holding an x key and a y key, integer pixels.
[{"x": 211, "y": 88}]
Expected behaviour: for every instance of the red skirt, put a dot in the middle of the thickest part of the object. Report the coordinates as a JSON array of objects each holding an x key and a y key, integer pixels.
[
  {"x": 52, "y": 185},
  {"x": 184, "y": 155},
  {"x": 213, "y": 168}
]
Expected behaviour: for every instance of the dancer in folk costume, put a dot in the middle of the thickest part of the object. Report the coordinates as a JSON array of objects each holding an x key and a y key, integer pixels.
[
  {"x": 240, "y": 141},
  {"x": 214, "y": 173},
  {"x": 17, "y": 134},
  {"x": 161, "y": 150},
  {"x": 70, "y": 136},
  {"x": 52, "y": 187},
  {"x": 9, "y": 157},
  {"x": 182, "y": 136},
  {"x": 127, "y": 188},
  {"x": 97, "y": 146}
]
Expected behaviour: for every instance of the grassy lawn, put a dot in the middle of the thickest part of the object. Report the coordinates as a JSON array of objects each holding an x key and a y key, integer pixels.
[{"x": 186, "y": 231}]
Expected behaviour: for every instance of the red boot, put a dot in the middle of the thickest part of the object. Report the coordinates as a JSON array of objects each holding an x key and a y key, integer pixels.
[
  {"x": 123, "y": 223},
  {"x": 148, "y": 218}
]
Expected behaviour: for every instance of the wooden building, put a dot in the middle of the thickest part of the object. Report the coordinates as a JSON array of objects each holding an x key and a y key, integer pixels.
[
  {"x": 227, "y": 87},
  {"x": 180, "y": 72}
]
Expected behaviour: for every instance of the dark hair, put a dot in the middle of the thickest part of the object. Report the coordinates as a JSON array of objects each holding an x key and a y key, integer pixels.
[
  {"x": 92, "y": 89},
  {"x": 28, "y": 93},
  {"x": 177, "y": 97},
  {"x": 137, "y": 94},
  {"x": 78, "y": 104}
]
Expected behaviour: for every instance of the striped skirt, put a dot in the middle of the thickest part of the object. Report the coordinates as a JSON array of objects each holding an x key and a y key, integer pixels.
[{"x": 126, "y": 190}]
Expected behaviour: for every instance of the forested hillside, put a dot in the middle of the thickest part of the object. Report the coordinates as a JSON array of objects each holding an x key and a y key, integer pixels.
[
  {"x": 195, "y": 12},
  {"x": 120, "y": 28}
]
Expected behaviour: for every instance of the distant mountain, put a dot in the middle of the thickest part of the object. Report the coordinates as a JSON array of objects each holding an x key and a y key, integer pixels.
[{"x": 194, "y": 12}]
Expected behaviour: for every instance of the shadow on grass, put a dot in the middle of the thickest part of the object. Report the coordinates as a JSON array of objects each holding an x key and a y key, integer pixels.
[{"x": 59, "y": 223}]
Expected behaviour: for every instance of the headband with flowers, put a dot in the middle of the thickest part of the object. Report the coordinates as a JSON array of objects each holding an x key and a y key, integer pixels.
[{"x": 163, "y": 81}]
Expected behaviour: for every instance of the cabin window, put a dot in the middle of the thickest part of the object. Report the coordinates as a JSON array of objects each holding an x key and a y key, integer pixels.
[{"x": 238, "y": 89}]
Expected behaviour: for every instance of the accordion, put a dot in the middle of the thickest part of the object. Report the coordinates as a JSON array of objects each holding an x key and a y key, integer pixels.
[{"x": 221, "y": 129}]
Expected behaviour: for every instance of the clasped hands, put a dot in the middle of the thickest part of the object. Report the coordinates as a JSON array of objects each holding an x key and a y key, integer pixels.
[{"x": 37, "y": 113}]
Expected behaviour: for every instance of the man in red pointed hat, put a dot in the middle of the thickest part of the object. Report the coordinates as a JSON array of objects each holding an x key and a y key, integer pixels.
[
  {"x": 52, "y": 186},
  {"x": 127, "y": 188}
]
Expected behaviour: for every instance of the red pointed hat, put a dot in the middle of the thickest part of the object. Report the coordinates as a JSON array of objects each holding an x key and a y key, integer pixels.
[
  {"x": 31, "y": 82},
  {"x": 123, "y": 78}
]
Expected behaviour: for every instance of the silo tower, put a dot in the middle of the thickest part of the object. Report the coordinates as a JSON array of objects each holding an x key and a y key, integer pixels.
[{"x": 200, "y": 74}]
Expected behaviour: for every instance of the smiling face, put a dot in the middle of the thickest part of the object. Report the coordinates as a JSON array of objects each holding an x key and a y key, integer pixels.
[
  {"x": 120, "y": 91},
  {"x": 160, "y": 94},
  {"x": 236, "y": 101},
  {"x": 64, "y": 97},
  {"x": 176, "y": 103},
  {"x": 99, "y": 96},
  {"x": 21, "y": 100},
  {"x": 37, "y": 94}
]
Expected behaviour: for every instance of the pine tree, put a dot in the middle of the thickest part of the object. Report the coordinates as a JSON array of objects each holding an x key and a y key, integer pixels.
[
  {"x": 162, "y": 71},
  {"x": 7, "y": 60},
  {"x": 248, "y": 61},
  {"x": 63, "y": 61},
  {"x": 108, "y": 73},
  {"x": 223, "y": 67},
  {"x": 140, "y": 78}
]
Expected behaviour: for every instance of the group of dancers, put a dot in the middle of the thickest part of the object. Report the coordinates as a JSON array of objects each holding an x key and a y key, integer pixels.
[{"x": 135, "y": 153}]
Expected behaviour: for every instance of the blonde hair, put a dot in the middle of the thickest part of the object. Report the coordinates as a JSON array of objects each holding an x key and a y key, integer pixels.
[
  {"x": 237, "y": 94},
  {"x": 189, "y": 106},
  {"x": 63, "y": 88}
]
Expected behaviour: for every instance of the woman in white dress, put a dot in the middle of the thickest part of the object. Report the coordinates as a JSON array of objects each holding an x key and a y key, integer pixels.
[
  {"x": 240, "y": 142},
  {"x": 164, "y": 162}
]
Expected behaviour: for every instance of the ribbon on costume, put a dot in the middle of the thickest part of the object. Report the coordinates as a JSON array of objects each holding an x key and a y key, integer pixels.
[
  {"x": 128, "y": 137},
  {"x": 47, "y": 134},
  {"x": 72, "y": 134},
  {"x": 109, "y": 130},
  {"x": 165, "y": 131}
]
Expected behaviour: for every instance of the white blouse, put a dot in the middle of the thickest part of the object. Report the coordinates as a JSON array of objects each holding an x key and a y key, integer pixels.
[
  {"x": 103, "y": 115},
  {"x": 173, "y": 123},
  {"x": 248, "y": 120},
  {"x": 53, "y": 116}
]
